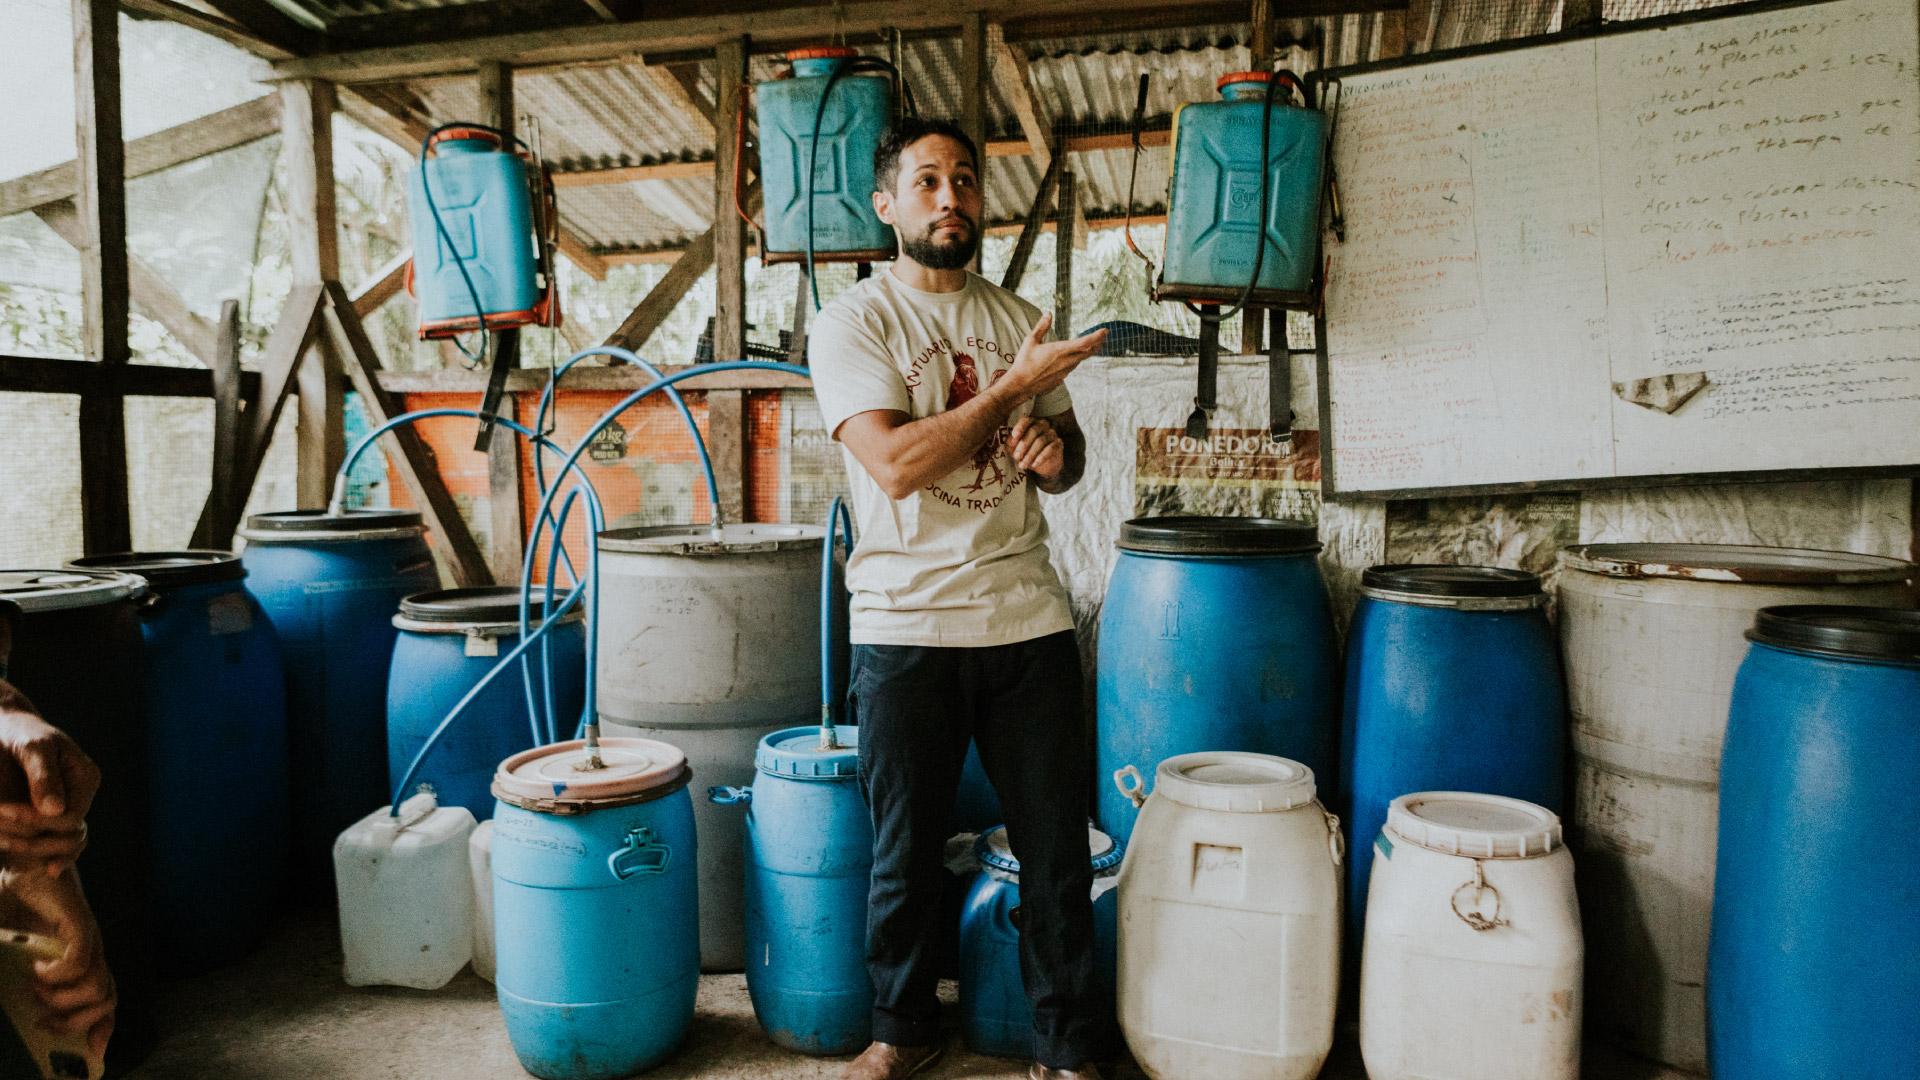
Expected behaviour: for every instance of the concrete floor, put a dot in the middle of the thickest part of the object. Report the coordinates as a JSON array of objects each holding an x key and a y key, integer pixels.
[{"x": 283, "y": 1013}]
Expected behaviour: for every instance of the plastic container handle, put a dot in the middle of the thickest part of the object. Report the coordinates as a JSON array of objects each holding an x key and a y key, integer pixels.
[
  {"x": 1336, "y": 841},
  {"x": 642, "y": 854},
  {"x": 1137, "y": 791},
  {"x": 1472, "y": 916},
  {"x": 727, "y": 796}
]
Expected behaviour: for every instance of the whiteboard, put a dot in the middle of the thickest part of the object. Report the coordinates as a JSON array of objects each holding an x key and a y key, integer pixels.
[{"x": 1735, "y": 196}]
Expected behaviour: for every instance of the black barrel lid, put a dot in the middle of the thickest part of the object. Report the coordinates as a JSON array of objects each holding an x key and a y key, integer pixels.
[
  {"x": 295, "y": 522},
  {"x": 1849, "y": 631},
  {"x": 1439, "y": 579},
  {"x": 485, "y": 604},
  {"x": 36, "y": 591},
  {"x": 1183, "y": 535},
  {"x": 169, "y": 569}
]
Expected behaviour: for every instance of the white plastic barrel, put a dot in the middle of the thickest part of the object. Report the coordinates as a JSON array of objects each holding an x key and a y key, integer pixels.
[
  {"x": 1470, "y": 967},
  {"x": 406, "y": 895},
  {"x": 1652, "y": 635},
  {"x": 480, "y": 866},
  {"x": 1229, "y": 920}
]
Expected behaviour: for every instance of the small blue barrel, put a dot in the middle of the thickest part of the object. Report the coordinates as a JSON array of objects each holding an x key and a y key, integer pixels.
[
  {"x": 809, "y": 860},
  {"x": 1216, "y": 635},
  {"x": 448, "y": 641},
  {"x": 1453, "y": 684},
  {"x": 995, "y": 1014},
  {"x": 858, "y": 112},
  {"x": 483, "y": 243},
  {"x": 1214, "y": 207},
  {"x": 595, "y": 907},
  {"x": 216, "y": 709},
  {"x": 331, "y": 585},
  {"x": 1813, "y": 970}
]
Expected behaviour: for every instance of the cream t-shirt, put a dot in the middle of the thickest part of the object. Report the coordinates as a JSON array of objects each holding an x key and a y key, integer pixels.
[{"x": 963, "y": 561}]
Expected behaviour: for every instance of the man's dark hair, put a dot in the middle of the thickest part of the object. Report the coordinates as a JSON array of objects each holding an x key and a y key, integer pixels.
[{"x": 906, "y": 131}]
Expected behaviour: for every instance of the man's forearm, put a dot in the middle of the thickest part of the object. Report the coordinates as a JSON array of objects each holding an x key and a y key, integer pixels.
[
  {"x": 919, "y": 452},
  {"x": 1074, "y": 452}
]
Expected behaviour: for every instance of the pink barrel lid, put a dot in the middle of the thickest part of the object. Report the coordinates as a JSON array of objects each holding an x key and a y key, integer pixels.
[{"x": 559, "y": 772}]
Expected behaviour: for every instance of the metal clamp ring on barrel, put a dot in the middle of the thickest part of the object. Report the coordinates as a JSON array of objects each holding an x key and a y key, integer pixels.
[
  {"x": 1474, "y": 918},
  {"x": 642, "y": 854},
  {"x": 1456, "y": 603},
  {"x": 1137, "y": 791}
]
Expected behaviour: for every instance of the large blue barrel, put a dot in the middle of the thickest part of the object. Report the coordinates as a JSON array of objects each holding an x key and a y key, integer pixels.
[
  {"x": 1453, "y": 684},
  {"x": 449, "y": 640},
  {"x": 858, "y": 112},
  {"x": 1813, "y": 971},
  {"x": 482, "y": 244},
  {"x": 595, "y": 907},
  {"x": 1216, "y": 635},
  {"x": 809, "y": 860},
  {"x": 1213, "y": 211},
  {"x": 331, "y": 585},
  {"x": 80, "y": 658},
  {"x": 995, "y": 1014},
  {"x": 216, "y": 709}
]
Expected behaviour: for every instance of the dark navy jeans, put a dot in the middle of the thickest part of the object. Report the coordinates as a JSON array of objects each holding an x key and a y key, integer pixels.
[{"x": 917, "y": 708}]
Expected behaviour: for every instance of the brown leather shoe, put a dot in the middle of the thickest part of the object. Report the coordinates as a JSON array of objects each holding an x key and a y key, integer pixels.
[
  {"x": 1088, "y": 1071},
  {"x": 885, "y": 1061}
]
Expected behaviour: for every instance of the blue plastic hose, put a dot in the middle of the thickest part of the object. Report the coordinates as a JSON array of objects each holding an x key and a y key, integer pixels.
[{"x": 836, "y": 516}]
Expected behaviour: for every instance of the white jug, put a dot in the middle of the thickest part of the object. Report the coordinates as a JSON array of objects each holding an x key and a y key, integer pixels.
[
  {"x": 1472, "y": 960},
  {"x": 1229, "y": 920},
  {"x": 480, "y": 861},
  {"x": 406, "y": 895}
]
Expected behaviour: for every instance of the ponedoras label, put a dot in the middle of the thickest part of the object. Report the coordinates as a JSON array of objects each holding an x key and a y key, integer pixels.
[{"x": 1231, "y": 456}]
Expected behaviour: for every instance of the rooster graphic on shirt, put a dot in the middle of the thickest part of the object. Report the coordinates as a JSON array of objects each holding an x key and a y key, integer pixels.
[{"x": 964, "y": 387}]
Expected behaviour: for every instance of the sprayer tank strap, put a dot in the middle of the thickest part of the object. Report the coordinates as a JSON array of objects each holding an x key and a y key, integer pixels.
[
  {"x": 1279, "y": 376},
  {"x": 1206, "y": 394}
]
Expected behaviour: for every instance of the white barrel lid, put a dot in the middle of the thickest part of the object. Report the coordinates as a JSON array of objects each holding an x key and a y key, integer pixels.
[
  {"x": 996, "y": 852},
  {"x": 58, "y": 590},
  {"x": 1741, "y": 563},
  {"x": 1234, "y": 781},
  {"x": 559, "y": 772},
  {"x": 1474, "y": 825},
  {"x": 740, "y": 539}
]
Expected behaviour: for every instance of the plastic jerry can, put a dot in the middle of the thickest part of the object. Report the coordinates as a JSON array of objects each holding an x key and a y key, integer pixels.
[
  {"x": 1230, "y": 920},
  {"x": 858, "y": 111},
  {"x": 406, "y": 895},
  {"x": 1214, "y": 202},
  {"x": 1473, "y": 956},
  {"x": 480, "y": 863},
  {"x": 470, "y": 212}
]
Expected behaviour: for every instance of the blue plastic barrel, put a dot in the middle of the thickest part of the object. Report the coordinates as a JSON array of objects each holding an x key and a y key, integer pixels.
[
  {"x": 858, "y": 113},
  {"x": 1216, "y": 635},
  {"x": 216, "y": 710},
  {"x": 809, "y": 858},
  {"x": 595, "y": 907},
  {"x": 1453, "y": 684},
  {"x": 1813, "y": 971},
  {"x": 483, "y": 198},
  {"x": 331, "y": 585},
  {"x": 1214, "y": 208},
  {"x": 449, "y": 640},
  {"x": 995, "y": 1015}
]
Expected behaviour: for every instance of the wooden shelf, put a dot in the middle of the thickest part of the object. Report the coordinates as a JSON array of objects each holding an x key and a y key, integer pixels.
[{"x": 623, "y": 377}]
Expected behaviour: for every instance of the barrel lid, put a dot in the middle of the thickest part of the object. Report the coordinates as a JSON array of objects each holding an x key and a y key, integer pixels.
[
  {"x": 823, "y": 52},
  {"x": 1235, "y": 781},
  {"x": 1440, "y": 585},
  {"x": 698, "y": 539},
  {"x": 559, "y": 773},
  {"x": 1193, "y": 535},
  {"x": 1746, "y": 563},
  {"x": 485, "y": 605},
  {"x": 305, "y": 526},
  {"x": 60, "y": 590},
  {"x": 795, "y": 753},
  {"x": 169, "y": 569},
  {"x": 1840, "y": 630},
  {"x": 995, "y": 853},
  {"x": 1477, "y": 826}
]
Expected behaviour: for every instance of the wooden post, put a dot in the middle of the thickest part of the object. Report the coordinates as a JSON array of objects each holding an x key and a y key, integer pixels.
[
  {"x": 225, "y": 502},
  {"x": 729, "y": 232},
  {"x": 313, "y": 246},
  {"x": 727, "y": 445},
  {"x": 1260, "y": 41},
  {"x": 973, "y": 100},
  {"x": 1035, "y": 225},
  {"x": 101, "y": 200},
  {"x": 1063, "y": 258}
]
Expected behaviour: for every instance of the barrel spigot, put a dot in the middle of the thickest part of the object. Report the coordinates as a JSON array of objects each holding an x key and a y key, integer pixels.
[
  {"x": 829, "y": 737},
  {"x": 593, "y": 749}
]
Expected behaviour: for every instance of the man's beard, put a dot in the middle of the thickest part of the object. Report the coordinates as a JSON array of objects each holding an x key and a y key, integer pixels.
[{"x": 952, "y": 255}]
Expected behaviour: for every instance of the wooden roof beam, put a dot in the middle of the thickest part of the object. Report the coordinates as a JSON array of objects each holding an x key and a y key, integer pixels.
[
  {"x": 1011, "y": 74},
  {"x": 270, "y": 24}
]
